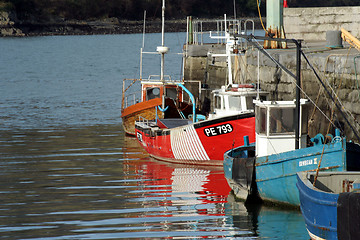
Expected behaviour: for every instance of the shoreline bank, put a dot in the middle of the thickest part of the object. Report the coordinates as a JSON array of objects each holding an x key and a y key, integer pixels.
[{"x": 15, "y": 28}]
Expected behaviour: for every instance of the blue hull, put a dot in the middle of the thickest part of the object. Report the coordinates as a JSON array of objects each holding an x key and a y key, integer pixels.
[
  {"x": 239, "y": 171},
  {"x": 331, "y": 208},
  {"x": 276, "y": 174},
  {"x": 319, "y": 210}
]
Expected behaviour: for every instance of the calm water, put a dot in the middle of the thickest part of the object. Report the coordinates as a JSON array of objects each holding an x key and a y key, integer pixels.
[{"x": 69, "y": 172}]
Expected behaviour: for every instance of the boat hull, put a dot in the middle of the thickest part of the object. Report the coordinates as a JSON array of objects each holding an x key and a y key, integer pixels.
[
  {"x": 329, "y": 215},
  {"x": 132, "y": 113},
  {"x": 276, "y": 174},
  {"x": 239, "y": 171},
  {"x": 201, "y": 143},
  {"x": 148, "y": 110}
]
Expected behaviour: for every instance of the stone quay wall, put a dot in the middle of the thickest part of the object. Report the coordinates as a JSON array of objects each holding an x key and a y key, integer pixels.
[
  {"x": 313, "y": 23},
  {"x": 338, "y": 70}
]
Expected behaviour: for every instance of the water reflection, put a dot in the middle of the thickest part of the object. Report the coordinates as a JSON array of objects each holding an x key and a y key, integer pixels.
[{"x": 95, "y": 183}]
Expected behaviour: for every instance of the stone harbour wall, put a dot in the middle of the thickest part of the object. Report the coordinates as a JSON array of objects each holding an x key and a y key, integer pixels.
[
  {"x": 339, "y": 71},
  {"x": 313, "y": 23},
  {"x": 338, "y": 68}
]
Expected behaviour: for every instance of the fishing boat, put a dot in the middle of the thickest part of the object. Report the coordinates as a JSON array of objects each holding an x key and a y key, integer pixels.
[
  {"x": 282, "y": 149},
  {"x": 330, "y": 204},
  {"x": 278, "y": 160},
  {"x": 267, "y": 169},
  {"x": 156, "y": 91},
  {"x": 239, "y": 171},
  {"x": 203, "y": 140}
]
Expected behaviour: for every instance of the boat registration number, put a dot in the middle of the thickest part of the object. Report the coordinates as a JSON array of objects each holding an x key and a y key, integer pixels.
[
  {"x": 218, "y": 130},
  {"x": 139, "y": 136}
]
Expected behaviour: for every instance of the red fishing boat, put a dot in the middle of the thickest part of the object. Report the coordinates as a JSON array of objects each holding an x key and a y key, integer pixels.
[
  {"x": 199, "y": 140},
  {"x": 156, "y": 91},
  {"x": 151, "y": 98}
]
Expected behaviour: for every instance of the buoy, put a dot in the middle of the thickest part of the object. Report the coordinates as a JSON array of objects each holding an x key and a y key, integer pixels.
[{"x": 285, "y": 4}]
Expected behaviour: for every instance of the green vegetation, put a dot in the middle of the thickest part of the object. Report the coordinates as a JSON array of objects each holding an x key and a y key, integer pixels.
[
  {"x": 6, "y": 6},
  {"x": 133, "y": 9}
]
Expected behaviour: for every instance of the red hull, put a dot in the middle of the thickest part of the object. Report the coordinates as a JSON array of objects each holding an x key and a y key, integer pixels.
[{"x": 199, "y": 143}]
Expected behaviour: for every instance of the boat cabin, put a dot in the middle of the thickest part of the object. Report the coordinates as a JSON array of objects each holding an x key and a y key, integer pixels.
[
  {"x": 234, "y": 100},
  {"x": 151, "y": 90},
  {"x": 275, "y": 126}
]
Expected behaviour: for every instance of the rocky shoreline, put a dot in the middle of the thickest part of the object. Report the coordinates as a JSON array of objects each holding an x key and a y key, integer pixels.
[{"x": 10, "y": 26}]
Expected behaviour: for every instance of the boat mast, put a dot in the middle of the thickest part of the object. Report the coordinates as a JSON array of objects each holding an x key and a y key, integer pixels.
[
  {"x": 229, "y": 45},
  {"x": 143, "y": 45},
  {"x": 162, "y": 41},
  {"x": 162, "y": 50}
]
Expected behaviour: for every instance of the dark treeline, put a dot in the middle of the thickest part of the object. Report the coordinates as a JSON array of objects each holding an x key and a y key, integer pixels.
[{"x": 134, "y": 9}]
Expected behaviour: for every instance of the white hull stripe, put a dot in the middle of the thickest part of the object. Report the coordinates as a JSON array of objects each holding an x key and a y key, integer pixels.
[
  {"x": 314, "y": 237},
  {"x": 186, "y": 144}
]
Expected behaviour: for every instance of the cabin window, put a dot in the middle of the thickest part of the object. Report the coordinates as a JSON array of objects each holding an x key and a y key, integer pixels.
[
  {"x": 234, "y": 102},
  {"x": 171, "y": 92},
  {"x": 304, "y": 119},
  {"x": 217, "y": 102},
  {"x": 282, "y": 120},
  {"x": 261, "y": 120},
  {"x": 152, "y": 93},
  {"x": 249, "y": 103}
]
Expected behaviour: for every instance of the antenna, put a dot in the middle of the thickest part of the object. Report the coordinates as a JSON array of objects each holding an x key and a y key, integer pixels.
[
  {"x": 234, "y": 10},
  {"x": 143, "y": 45}
]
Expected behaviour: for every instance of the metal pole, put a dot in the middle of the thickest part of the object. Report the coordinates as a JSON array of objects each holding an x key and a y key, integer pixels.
[
  {"x": 297, "y": 111},
  {"x": 162, "y": 41},
  {"x": 234, "y": 10}
]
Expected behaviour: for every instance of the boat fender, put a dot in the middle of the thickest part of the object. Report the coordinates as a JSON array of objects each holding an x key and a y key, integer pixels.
[
  {"x": 348, "y": 207},
  {"x": 336, "y": 139},
  {"x": 318, "y": 139},
  {"x": 329, "y": 137},
  {"x": 163, "y": 110}
]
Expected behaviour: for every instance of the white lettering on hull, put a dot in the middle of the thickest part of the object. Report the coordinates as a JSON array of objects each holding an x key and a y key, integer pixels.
[{"x": 307, "y": 162}]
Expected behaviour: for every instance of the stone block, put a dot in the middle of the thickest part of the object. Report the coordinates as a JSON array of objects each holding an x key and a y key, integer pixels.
[{"x": 354, "y": 96}]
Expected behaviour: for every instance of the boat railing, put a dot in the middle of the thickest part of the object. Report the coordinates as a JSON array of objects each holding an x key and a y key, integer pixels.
[
  {"x": 157, "y": 78},
  {"x": 198, "y": 30},
  {"x": 142, "y": 119},
  {"x": 146, "y": 123},
  {"x": 129, "y": 97}
]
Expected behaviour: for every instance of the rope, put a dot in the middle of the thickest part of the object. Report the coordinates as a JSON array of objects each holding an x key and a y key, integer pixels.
[
  {"x": 336, "y": 104},
  {"x": 292, "y": 79},
  {"x": 261, "y": 21}
]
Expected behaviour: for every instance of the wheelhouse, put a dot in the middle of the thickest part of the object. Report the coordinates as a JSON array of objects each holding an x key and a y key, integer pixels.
[
  {"x": 235, "y": 100},
  {"x": 155, "y": 90},
  {"x": 275, "y": 126}
]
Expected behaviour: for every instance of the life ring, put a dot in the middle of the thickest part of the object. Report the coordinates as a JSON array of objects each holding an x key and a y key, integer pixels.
[
  {"x": 246, "y": 86},
  {"x": 239, "y": 86}
]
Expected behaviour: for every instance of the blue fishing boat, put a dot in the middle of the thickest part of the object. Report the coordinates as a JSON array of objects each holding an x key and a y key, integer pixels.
[
  {"x": 331, "y": 206},
  {"x": 239, "y": 170},
  {"x": 283, "y": 147},
  {"x": 277, "y": 159}
]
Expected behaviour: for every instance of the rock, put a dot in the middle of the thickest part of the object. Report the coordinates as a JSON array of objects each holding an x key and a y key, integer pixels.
[{"x": 7, "y": 25}]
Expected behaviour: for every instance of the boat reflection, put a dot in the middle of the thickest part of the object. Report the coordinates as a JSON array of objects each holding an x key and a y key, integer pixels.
[
  {"x": 267, "y": 221},
  {"x": 178, "y": 184},
  {"x": 189, "y": 201}
]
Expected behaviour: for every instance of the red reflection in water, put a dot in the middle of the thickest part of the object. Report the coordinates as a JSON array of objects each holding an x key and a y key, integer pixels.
[{"x": 198, "y": 187}]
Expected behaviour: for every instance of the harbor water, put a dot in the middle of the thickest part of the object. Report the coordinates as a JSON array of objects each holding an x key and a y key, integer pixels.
[{"x": 67, "y": 170}]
